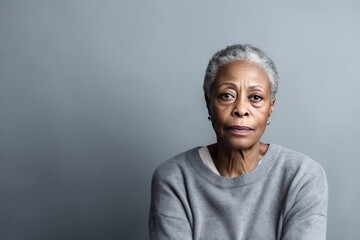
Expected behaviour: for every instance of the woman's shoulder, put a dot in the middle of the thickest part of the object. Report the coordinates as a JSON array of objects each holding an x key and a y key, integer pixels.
[
  {"x": 294, "y": 155},
  {"x": 175, "y": 167},
  {"x": 295, "y": 161}
]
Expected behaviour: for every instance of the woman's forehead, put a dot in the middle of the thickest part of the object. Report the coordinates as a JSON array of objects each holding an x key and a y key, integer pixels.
[{"x": 242, "y": 72}]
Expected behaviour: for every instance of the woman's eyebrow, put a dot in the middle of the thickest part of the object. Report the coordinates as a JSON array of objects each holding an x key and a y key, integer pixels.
[
  {"x": 255, "y": 86},
  {"x": 232, "y": 85}
]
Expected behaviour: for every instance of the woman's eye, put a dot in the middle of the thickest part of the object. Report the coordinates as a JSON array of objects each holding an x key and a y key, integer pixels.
[
  {"x": 227, "y": 96},
  {"x": 256, "y": 98}
]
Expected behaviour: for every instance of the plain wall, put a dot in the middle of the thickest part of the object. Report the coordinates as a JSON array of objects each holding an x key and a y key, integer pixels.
[{"x": 95, "y": 94}]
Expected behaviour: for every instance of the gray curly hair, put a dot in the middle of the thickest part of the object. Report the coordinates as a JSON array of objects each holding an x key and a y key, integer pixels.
[{"x": 235, "y": 53}]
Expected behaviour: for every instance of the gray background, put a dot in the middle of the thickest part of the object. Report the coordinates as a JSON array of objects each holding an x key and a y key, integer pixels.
[{"x": 95, "y": 94}]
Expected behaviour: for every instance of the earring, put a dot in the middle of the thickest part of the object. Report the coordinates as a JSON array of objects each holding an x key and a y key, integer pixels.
[
  {"x": 268, "y": 121},
  {"x": 209, "y": 118}
]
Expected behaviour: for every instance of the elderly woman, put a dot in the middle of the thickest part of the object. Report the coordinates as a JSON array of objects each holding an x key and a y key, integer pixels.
[{"x": 239, "y": 187}]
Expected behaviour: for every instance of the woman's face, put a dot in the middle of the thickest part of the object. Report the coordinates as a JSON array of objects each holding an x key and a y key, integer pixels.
[{"x": 240, "y": 104}]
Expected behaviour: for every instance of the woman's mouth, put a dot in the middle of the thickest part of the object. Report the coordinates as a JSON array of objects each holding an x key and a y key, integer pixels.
[{"x": 240, "y": 130}]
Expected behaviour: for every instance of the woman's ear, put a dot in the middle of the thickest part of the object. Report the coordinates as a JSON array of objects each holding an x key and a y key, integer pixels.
[
  {"x": 272, "y": 106},
  {"x": 207, "y": 104}
]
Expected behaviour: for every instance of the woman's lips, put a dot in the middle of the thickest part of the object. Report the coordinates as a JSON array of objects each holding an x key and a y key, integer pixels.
[{"x": 240, "y": 130}]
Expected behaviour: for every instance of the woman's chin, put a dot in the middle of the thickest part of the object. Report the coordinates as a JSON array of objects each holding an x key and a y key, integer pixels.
[{"x": 243, "y": 144}]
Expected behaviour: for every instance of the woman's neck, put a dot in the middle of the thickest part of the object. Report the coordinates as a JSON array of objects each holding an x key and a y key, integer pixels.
[{"x": 233, "y": 163}]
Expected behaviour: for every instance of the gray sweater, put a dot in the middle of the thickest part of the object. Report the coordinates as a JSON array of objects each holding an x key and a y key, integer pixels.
[{"x": 283, "y": 198}]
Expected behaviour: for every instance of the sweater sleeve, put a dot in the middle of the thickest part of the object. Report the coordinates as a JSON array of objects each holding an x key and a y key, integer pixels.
[
  {"x": 306, "y": 217},
  {"x": 168, "y": 218}
]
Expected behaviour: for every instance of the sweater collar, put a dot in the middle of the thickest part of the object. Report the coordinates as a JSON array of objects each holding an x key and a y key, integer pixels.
[{"x": 258, "y": 172}]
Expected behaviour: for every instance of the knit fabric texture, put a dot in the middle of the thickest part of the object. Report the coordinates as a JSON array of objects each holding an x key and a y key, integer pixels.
[{"x": 283, "y": 198}]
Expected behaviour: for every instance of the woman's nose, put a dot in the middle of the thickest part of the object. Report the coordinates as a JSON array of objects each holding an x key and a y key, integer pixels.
[{"x": 241, "y": 108}]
